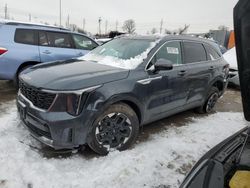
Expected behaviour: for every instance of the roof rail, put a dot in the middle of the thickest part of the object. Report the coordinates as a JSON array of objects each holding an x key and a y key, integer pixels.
[{"x": 13, "y": 22}]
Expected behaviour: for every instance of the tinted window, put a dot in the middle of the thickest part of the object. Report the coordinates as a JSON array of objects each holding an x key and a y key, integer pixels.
[
  {"x": 82, "y": 42},
  {"x": 170, "y": 51},
  {"x": 211, "y": 53},
  {"x": 194, "y": 52},
  {"x": 25, "y": 36},
  {"x": 55, "y": 39}
]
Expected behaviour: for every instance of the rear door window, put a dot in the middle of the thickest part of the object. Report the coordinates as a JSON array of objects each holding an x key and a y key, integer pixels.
[
  {"x": 194, "y": 52},
  {"x": 84, "y": 43},
  {"x": 170, "y": 51},
  {"x": 55, "y": 39},
  {"x": 25, "y": 36}
]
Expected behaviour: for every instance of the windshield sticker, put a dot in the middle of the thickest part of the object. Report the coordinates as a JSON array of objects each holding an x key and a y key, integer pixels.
[{"x": 172, "y": 50}]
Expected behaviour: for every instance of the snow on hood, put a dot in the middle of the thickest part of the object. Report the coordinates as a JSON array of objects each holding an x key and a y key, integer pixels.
[
  {"x": 129, "y": 64},
  {"x": 230, "y": 57}
]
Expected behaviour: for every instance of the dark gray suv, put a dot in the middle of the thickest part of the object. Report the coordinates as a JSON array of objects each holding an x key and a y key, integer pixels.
[{"x": 103, "y": 98}]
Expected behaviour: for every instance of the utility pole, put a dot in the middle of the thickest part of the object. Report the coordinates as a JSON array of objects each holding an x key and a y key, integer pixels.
[
  {"x": 100, "y": 21},
  {"x": 116, "y": 25},
  {"x": 68, "y": 21},
  {"x": 6, "y": 11},
  {"x": 29, "y": 17},
  {"x": 60, "y": 6},
  {"x": 83, "y": 24},
  {"x": 161, "y": 25},
  {"x": 106, "y": 26}
]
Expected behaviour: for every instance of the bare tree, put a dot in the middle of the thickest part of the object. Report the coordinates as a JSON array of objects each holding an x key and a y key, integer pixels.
[
  {"x": 129, "y": 26},
  {"x": 154, "y": 30},
  {"x": 183, "y": 30}
]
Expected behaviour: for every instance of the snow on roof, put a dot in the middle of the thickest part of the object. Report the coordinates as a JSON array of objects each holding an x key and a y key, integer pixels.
[{"x": 230, "y": 57}]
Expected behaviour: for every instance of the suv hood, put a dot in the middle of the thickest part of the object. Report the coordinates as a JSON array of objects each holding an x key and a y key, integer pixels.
[{"x": 71, "y": 75}]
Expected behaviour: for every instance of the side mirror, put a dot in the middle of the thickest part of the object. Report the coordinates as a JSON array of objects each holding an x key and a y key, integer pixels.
[{"x": 163, "y": 64}]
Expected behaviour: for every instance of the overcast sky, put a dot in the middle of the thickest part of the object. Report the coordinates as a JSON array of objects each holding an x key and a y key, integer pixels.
[{"x": 202, "y": 15}]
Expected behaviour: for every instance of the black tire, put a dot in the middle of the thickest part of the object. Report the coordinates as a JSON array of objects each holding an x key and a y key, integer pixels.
[
  {"x": 210, "y": 102},
  {"x": 116, "y": 128}
]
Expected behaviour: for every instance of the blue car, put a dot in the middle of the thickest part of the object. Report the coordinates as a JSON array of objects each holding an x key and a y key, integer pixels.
[{"x": 24, "y": 44}]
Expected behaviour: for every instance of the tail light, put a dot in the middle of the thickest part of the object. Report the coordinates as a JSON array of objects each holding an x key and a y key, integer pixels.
[{"x": 3, "y": 50}]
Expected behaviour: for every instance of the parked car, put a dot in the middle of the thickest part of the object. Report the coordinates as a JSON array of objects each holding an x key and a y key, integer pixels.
[
  {"x": 103, "y": 98},
  {"x": 230, "y": 57},
  {"x": 228, "y": 164},
  {"x": 26, "y": 44}
]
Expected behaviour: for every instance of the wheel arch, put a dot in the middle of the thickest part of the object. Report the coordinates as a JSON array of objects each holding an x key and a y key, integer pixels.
[
  {"x": 25, "y": 64},
  {"x": 132, "y": 102}
]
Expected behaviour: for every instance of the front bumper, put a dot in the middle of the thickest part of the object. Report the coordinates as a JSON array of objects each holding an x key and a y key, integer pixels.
[{"x": 58, "y": 130}]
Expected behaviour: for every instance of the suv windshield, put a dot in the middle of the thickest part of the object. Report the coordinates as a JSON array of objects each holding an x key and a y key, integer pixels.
[{"x": 123, "y": 53}]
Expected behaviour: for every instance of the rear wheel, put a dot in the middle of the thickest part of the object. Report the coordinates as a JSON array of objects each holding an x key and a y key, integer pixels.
[
  {"x": 115, "y": 129},
  {"x": 210, "y": 102}
]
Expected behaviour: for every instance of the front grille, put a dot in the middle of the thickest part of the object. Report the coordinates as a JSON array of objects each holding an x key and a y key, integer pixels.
[{"x": 38, "y": 98}]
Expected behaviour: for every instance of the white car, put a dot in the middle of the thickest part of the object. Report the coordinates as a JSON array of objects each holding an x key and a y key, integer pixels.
[{"x": 230, "y": 57}]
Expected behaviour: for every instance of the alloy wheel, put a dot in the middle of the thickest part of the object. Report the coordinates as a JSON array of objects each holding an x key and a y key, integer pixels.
[{"x": 113, "y": 130}]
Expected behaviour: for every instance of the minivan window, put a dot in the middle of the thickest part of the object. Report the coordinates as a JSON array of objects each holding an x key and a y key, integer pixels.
[
  {"x": 194, "y": 52},
  {"x": 55, "y": 39},
  {"x": 25, "y": 36},
  {"x": 170, "y": 51},
  {"x": 43, "y": 40},
  {"x": 82, "y": 42},
  {"x": 211, "y": 53}
]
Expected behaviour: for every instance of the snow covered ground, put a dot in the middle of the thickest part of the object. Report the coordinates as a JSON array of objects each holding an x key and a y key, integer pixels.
[{"x": 160, "y": 161}]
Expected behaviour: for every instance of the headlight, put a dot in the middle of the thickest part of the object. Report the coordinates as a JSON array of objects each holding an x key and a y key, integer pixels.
[
  {"x": 71, "y": 101},
  {"x": 75, "y": 103}
]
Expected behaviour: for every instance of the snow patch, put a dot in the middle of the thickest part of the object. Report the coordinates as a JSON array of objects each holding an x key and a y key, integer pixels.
[{"x": 163, "y": 159}]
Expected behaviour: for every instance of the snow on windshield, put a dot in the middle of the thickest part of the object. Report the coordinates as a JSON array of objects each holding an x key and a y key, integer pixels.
[
  {"x": 131, "y": 63},
  {"x": 230, "y": 57}
]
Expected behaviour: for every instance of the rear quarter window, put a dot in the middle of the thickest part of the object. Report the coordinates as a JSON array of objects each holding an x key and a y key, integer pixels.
[
  {"x": 25, "y": 36},
  {"x": 194, "y": 52},
  {"x": 212, "y": 53}
]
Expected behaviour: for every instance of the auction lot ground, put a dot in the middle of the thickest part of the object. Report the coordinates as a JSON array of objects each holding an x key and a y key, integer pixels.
[{"x": 165, "y": 151}]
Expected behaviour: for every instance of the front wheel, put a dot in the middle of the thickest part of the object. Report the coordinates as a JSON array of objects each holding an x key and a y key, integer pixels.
[
  {"x": 210, "y": 102},
  {"x": 116, "y": 128}
]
